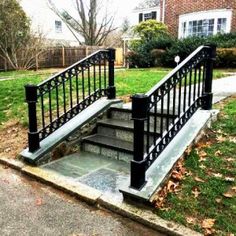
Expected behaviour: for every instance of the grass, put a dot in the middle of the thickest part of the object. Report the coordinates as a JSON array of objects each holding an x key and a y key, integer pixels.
[
  {"x": 214, "y": 162},
  {"x": 128, "y": 82}
]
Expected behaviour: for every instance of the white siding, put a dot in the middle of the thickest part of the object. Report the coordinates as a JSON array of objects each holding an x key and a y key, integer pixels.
[
  {"x": 43, "y": 20},
  {"x": 134, "y": 17}
]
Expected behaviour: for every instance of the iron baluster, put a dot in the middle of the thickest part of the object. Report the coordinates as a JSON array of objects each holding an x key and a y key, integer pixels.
[{"x": 190, "y": 87}]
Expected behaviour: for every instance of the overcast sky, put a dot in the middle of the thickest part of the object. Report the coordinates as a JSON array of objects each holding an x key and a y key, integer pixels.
[{"x": 121, "y": 8}]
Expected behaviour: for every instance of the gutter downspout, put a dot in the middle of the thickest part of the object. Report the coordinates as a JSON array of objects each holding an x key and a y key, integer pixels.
[{"x": 163, "y": 10}]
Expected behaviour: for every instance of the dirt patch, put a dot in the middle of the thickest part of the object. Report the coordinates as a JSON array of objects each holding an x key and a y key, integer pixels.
[{"x": 13, "y": 139}]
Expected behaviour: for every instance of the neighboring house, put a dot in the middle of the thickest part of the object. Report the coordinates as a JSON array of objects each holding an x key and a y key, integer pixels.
[
  {"x": 146, "y": 11},
  {"x": 190, "y": 17},
  {"x": 44, "y": 20}
]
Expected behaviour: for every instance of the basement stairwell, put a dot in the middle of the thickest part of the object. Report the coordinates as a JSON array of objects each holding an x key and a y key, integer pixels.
[{"x": 133, "y": 146}]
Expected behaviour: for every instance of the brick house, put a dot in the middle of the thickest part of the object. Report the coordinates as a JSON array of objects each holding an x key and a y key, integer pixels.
[{"x": 190, "y": 17}]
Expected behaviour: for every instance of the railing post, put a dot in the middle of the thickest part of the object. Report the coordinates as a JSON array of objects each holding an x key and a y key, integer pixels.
[
  {"x": 31, "y": 99},
  {"x": 207, "y": 86},
  {"x": 111, "y": 90},
  {"x": 138, "y": 164}
]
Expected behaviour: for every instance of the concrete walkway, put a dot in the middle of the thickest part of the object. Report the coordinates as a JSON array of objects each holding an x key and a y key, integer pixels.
[
  {"x": 30, "y": 208},
  {"x": 223, "y": 88}
]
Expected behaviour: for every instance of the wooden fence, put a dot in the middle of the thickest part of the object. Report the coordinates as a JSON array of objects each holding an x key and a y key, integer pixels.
[{"x": 54, "y": 57}]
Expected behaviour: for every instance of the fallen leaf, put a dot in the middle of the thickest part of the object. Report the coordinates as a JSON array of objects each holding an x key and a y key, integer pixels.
[
  {"x": 191, "y": 220},
  {"x": 208, "y": 223},
  {"x": 199, "y": 180},
  {"x": 177, "y": 175},
  {"x": 230, "y": 159},
  {"x": 188, "y": 151},
  {"x": 217, "y": 175},
  {"x": 202, "y": 153},
  {"x": 218, "y": 153},
  {"x": 229, "y": 179},
  {"x": 38, "y": 202},
  {"x": 196, "y": 192},
  {"x": 202, "y": 167},
  {"x": 171, "y": 186},
  {"x": 209, "y": 232},
  {"x": 218, "y": 200},
  {"x": 220, "y": 139},
  {"x": 230, "y": 193},
  {"x": 232, "y": 139},
  {"x": 7, "y": 150},
  {"x": 188, "y": 173}
]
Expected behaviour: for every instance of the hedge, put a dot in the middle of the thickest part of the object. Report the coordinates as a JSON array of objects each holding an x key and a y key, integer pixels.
[{"x": 146, "y": 54}]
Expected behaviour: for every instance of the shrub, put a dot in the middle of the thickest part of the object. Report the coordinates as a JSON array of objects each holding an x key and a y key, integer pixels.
[
  {"x": 145, "y": 54},
  {"x": 226, "y": 56},
  {"x": 184, "y": 47},
  {"x": 150, "y": 29},
  {"x": 157, "y": 55}
]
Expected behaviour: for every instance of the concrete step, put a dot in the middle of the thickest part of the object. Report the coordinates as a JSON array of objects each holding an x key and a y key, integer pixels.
[
  {"x": 108, "y": 146},
  {"x": 120, "y": 129},
  {"x": 125, "y": 114}
]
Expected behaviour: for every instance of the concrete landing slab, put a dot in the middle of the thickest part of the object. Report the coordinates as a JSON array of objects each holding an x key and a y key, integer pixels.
[{"x": 101, "y": 173}]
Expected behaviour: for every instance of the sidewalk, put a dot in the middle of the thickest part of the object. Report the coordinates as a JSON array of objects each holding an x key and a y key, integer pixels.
[{"x": 223, "y": 88}]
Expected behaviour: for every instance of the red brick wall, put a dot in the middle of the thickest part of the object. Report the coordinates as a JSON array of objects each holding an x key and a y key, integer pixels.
[{"x": 175, "y": 8}]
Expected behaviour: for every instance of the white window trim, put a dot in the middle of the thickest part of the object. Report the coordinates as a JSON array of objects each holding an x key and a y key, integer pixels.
[{"x": 202, "y": 15}]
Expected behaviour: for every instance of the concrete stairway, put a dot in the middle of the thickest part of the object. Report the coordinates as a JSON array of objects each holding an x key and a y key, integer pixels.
[{"x": 114, "y": 137}]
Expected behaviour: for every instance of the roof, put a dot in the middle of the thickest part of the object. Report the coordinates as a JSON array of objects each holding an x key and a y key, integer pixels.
[{"x": 148, "y": 4}]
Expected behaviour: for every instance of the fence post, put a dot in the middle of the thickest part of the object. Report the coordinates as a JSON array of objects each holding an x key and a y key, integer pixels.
[
  {"x": 207, "y": 86},
  {"x": 111, "y": 90},
  {"x": 63, "y": 56},
  {"x": 138, "y": 164},
  {"x": 31, "y": 99},
  {"x": 86, "y": 51}
]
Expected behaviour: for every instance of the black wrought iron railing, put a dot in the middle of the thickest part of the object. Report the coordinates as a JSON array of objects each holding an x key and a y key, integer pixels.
[
  {"x": 167, "y": 107},
  {"x": 57, "y": 100}
]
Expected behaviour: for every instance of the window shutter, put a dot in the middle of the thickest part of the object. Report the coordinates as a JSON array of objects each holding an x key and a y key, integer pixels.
[
  {"x": 140, "y": 17},
  {"x": 154, "y": 15}
]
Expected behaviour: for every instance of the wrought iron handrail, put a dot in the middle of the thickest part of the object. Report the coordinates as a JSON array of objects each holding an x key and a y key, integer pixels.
[
  {"x": 171, "y": 102},
  {"x": 55, "y": 101}
]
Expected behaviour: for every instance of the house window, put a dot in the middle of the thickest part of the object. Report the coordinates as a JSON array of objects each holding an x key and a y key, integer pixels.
[
  {"x": 58, "y": 26},
  {"x": 200, "y": 27},
  {"x": 205, "y": 23},
  {"x": 147, "y": 16},
  {"x": 221, "y": 25}
]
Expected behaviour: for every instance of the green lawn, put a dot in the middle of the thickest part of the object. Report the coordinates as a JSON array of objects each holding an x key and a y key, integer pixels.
[
  {"x": 128, "y": 82},
  {"x": 208, "y": 188}
]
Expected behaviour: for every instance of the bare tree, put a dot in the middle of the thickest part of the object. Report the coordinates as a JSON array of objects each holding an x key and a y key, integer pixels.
[
  {"x": 92, "y": 21},
  {"x": 18, "y": 45}
]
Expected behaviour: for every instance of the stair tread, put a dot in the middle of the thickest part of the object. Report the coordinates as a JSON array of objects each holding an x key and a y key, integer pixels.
[
  {"x": 123, "y": 124},
  {"x": 110, "y": 142},
  {"x": 128, "y": 109}
]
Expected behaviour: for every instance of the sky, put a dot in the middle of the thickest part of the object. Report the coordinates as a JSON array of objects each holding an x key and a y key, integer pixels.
[{"x": 121, "y": 8}]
